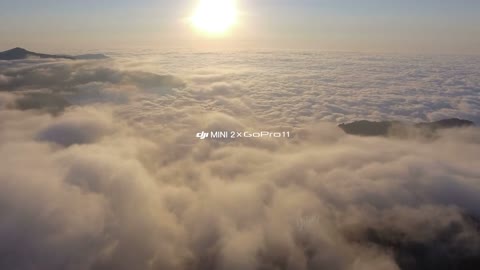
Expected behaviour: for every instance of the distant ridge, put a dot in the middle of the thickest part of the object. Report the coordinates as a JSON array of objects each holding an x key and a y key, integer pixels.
[
  {"x": 396, "y": 128},
  {"x": 21, "y": 53}
]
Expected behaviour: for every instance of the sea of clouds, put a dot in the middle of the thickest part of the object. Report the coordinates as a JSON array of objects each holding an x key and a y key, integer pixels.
[{"x": 100, "y": 167}]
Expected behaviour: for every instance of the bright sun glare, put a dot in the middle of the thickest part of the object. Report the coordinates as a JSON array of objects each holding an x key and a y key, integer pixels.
[{"x": 215, "y": 16}]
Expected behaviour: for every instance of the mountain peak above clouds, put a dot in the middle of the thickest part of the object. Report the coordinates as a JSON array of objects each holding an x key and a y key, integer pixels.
[
  {"x": 386, "y": 128},
  {"x": 21, "y": 53}
]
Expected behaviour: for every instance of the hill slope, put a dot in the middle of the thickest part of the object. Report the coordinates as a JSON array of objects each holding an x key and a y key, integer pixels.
[{"x": 20, "y": 53}]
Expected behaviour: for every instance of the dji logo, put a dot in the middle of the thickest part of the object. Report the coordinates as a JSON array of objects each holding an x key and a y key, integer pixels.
[
  {"x": 202, "y": 135},
  {"x": 218, "y": 135}
]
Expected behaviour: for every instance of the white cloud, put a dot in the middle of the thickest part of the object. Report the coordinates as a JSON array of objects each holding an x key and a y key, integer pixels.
[{"x": 125, "y": 184}]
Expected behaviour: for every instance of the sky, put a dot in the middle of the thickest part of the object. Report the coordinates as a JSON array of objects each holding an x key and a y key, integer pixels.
[{"x": 426, "y": 26}]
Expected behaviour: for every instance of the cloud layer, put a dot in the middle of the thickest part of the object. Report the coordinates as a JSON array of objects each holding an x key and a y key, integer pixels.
[{"x": 116, "y": 179}]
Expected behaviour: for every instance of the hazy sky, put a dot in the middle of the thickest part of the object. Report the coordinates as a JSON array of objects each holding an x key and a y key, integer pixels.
[{"x": 437, "y": 26}]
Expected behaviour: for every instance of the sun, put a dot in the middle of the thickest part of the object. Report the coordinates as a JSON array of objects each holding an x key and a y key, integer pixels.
[{"x": 215, "y": 16}]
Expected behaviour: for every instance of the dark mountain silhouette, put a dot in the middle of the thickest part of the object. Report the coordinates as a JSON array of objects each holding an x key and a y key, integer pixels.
[
  {"x": 20, "y": 53},
  {"x": 401, "y": 129},
  {"x": 367, "y": 128}
]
